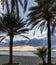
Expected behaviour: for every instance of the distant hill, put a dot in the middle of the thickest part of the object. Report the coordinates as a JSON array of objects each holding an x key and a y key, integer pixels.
[{"x": 32, "y": 42}]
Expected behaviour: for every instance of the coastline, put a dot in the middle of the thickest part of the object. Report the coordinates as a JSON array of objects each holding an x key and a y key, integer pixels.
[
  {"x": 23, "y": 55},
  {"x": 24, "y": 60},
  {"x": 24, "y": 51}
]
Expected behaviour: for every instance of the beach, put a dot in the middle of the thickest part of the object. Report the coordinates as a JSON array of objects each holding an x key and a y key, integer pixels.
[
  {"x": 23, "y": 60},
  {"x": 21, "y": 54},
  {"x": 24, "y": 55}
]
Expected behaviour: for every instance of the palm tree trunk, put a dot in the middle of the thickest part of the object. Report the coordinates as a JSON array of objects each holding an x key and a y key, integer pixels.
[
  {"x": 49, "y": 43},
  {"x": 44, "y": 63},
  {"x": 11, "y": 45}
]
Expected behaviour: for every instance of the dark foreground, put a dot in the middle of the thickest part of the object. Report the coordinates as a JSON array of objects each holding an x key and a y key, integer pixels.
[{"x": 23, "y": 60}]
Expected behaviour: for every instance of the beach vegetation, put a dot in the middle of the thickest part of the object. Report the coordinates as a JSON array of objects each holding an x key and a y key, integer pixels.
[
  {"x": 42, "y": 17},
  {"x": 42, "y": 52}
]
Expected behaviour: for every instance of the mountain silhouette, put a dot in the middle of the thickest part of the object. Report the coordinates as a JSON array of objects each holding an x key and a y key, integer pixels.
[{"x": 31, "y": 42}]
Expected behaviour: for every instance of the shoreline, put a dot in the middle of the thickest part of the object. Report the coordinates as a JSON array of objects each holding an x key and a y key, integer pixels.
[{"x": 25, "y": 53}]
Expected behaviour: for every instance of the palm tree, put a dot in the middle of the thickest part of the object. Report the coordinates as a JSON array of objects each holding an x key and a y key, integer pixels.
[
  {"x": 42, "y": 52},
  {"x": 42, "y": 15},
  {"x": 11, "y": 26}
]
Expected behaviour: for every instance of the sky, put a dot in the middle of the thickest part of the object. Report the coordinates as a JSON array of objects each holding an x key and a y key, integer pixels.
[{"x": 38, "y": 34}]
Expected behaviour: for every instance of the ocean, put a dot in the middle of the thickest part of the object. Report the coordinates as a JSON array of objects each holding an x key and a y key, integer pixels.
[
  {"x": 33, "y": 42},
  {"x": 24, "y": 53}
]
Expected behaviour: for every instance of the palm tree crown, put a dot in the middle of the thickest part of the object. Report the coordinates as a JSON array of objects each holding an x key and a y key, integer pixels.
[
  {"x": 41, "y": 13},
  {"x": 9, "y": 23}
]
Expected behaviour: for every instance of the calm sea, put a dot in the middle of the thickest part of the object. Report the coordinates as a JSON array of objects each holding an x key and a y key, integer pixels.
[{"x": 24, "y": 53}]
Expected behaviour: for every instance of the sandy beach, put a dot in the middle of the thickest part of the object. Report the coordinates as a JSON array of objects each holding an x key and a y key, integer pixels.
[{"x": 23, "y": 60}]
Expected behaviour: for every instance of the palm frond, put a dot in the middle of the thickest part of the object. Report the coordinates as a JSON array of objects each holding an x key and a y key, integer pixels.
[
  {"x": 53, "y": 26},
  {"x": 12, "y": 5},
  {"x": 34, "y": 8},
  {"x": 23, "y": 30},
  {"x": 35, "y": 29},
  {"x": 25, "y": 37},
  {"x": 3, "y": 37},
  {"x": 2, "y": 3},
  {"x": 3, "y": 27},
  {"x": 35, "y": 19},
  {"x": 25, "y": 5},
  {"x": 42, "y": 26},
  {"x": 21, "y": 3},
  {"x": 35, "y": 13},
  {"x": 7, "y": 6}
]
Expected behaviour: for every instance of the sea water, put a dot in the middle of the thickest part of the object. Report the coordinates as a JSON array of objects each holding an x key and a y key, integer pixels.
[
  {"x": 18, "y": 53},
  {"x": 24, "y": 53}
]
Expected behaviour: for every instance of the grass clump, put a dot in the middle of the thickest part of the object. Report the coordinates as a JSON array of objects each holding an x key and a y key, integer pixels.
[{"x": 11, "y": 64}]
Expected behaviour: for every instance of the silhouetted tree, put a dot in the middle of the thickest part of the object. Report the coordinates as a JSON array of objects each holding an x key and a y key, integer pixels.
[
  {"x": 10, "y": 25},
  {"x": 40, "y": 16}
]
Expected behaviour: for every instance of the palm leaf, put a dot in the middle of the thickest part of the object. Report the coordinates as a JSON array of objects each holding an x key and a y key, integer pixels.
[
  {"x": 23, "y": 30},
  {"x": 25, "y": 5},
  {"x": 35, "y": 8},
  {"x": 7, "y": 6},
  {"x": 42, "y": 26},
  {"x": 3, "y": 37},
  {"x": 12, "y": 5},
  {"x": 21, "y": 3},
  {"x": 35, "y": 29},
  {"x": 2, "y": 3},
  {"x": 25, "y": 37}
]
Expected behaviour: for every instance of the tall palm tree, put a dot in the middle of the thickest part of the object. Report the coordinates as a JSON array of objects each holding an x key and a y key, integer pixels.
[
  {"x": 11, "y": 26},
  {"x": 41, "y": 15}
]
